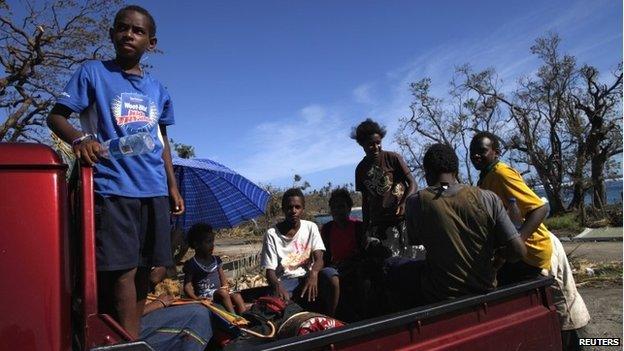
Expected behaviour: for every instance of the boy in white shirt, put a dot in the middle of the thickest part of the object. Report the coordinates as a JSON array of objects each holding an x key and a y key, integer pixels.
[{"x": 292, "y": 254}]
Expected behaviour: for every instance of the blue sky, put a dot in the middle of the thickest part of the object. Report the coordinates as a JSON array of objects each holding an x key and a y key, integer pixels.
[{"x": 272, "y": 88}]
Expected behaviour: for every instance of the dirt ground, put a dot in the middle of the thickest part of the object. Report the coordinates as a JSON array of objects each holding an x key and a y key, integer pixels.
[
  {"x": 605, "y": 309},
  {"x": 603, "y": 298},
  {"x": 606, "y": 251}
]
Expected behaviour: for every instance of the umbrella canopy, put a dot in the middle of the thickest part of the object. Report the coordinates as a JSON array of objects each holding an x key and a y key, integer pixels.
[{"x": 216, "y": 195}]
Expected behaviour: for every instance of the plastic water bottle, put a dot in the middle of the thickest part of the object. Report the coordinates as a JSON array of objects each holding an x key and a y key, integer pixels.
[
  {"x": 514, "y": 213},
  {"x": 130, "y": 145}
]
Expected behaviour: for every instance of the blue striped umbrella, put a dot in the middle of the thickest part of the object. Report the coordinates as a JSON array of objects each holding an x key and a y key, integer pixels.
[{"x": 216, "y": 195}]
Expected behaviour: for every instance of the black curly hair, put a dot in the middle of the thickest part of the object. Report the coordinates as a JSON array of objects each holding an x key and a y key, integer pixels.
[
  {"x": 198, "y": 233},
  {"x": 341, "y": 194},
  {"x": 366, "y": 129},
  {"x": 141, "y": 10},
  {"x": 293, "y": 192},
  {"x": 496, "y": 144},
  {"x": 440, "y": 158}
]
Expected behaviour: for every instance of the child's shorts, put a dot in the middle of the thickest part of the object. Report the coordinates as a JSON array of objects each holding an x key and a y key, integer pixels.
[
  {"x": 132, "y": 232},
  {"x": 208, "y": 293}
]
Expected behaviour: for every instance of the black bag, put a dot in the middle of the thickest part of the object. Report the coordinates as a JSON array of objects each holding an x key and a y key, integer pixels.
[{"x": 264, "y": 320}]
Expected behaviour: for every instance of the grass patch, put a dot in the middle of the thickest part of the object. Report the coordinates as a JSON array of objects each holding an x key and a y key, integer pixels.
[{"x": 566, "y": 222}]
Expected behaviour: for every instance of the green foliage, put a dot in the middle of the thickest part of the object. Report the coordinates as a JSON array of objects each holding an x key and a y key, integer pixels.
[
  {"x": 567, "y": 221},
  {"x": 183, "y": 150}
]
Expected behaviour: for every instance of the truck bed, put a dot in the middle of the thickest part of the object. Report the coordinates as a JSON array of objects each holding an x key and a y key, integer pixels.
[
  {"x": 517, "y": 317},
  {"x": 60, "y": 271}
]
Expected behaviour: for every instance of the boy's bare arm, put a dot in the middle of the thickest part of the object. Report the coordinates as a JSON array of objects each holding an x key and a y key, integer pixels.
[
  {"x": 318, "y": 261},
  {"x": 188, "y": 289},
  {"x": 223, "y": 278},
  {"x": 311, "y": 284},
  {"x": 532, "y": 220},
  {"x": 276, "y": 285},
  {"x": 86, "y": 150},
  {"x": 161, "y": 301},
  {"x": 177, "y": 203}
]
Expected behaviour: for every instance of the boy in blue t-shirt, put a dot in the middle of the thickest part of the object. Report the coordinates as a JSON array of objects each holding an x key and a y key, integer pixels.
[{"x": 133, "y": 195}]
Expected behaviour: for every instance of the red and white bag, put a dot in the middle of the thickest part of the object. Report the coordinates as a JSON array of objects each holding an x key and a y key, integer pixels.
[{"x": 303, "y": 323}]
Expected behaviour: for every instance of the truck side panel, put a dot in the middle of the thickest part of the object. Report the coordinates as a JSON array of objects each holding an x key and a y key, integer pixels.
[
  {"x": 35, "y": 297},
  {"x": 519, "y": 317}
]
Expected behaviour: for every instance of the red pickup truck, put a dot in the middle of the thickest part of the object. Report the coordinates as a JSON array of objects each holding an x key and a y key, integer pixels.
[{"x": 49, "y": 302}]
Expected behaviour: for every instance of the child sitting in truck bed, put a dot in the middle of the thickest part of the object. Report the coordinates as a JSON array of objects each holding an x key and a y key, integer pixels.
[
  {"x": 345, "y": 242},
  {"x": 343, "y": 236},
  {"x": 203, "y": 273},
  {"x": 292, "y": 255}
]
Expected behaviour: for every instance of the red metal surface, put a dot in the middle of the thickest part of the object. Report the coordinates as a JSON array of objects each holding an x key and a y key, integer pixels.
[
  {"x": 104, "y": 331},
  {"x": 28, "y": 155},
  {"x": 87, "y": 230},
  {"x": 99, "y": 329},
  {"x": 35, "y": 298},
  {"x": 519, "y": 323}
]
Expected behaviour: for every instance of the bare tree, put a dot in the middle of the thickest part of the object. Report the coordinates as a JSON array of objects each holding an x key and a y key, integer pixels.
[
  {"x": 538, "y": 109},
  {"x": 562, "y": 122},
  {"x": 433, "y": 120},
  {"x": 601, "y": 106},
  {"x": 427, "y": 125},
  {"x": 39, "y": 51},
  {"x": 549, "y": 132}
]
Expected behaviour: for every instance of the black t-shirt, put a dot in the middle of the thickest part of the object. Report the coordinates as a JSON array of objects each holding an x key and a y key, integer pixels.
[{"x": 383, "y": 181}]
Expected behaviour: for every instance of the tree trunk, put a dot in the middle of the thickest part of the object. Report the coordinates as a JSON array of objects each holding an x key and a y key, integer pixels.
[
  {"x": 599, "y": 193},
  {"x": 13, "y": 119},
  {"x": 555, "y": 200},
  {"x": 578, "y": 195},
  {"x": 578, "y": 185}
]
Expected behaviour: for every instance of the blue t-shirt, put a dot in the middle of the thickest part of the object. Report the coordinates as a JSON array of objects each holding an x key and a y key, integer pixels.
[
  {"x": 205, "y": 278},
  {"x": 113, "y": 104}
]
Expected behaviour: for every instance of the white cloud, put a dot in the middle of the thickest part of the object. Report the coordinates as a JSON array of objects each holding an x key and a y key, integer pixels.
[
  {"x": 317, "y": 138},
  {"x": 364, "y": 94},
  {"x": 313, "y": 114},
  {"x": 313, "y": 141}
]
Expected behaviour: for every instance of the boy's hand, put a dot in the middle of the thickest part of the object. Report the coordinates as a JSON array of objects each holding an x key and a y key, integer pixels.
[
  {"x": 176, "y": 201},
  {"x": 87, "y": 151},
  {"x": 280, "y": 292},
  {"x": 165, "y": 299},
  {"x": 498, "y": 261},
  {"x": 400, "y": 210},
  {"x": 311, "y": 286}
]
